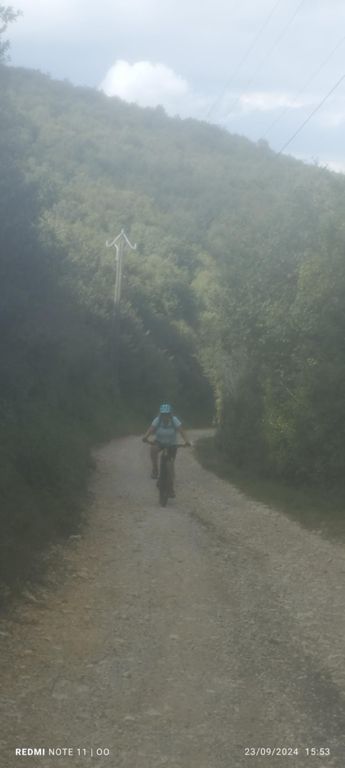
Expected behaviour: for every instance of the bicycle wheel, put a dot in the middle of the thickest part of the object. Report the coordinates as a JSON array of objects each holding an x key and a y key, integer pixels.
[{"x": 163, "y": 482}]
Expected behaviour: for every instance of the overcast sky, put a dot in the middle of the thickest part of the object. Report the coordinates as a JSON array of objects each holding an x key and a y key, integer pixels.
[{"x": 240, "y": 64}]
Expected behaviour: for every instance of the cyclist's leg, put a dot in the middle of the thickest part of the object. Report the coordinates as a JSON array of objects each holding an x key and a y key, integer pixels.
[
  {"x": 155, "y": 448},
  {"x": 163, "y": 482},
  {"x": 172, "y": 452}
]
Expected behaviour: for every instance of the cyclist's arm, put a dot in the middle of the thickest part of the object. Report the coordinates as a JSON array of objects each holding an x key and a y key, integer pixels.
[
  {"x": 183, "y": 435},
  {"x": 150, "y": 431}
]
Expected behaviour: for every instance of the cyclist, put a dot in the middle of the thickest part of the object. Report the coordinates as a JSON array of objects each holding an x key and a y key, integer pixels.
[{"x": 165, "y": 428}]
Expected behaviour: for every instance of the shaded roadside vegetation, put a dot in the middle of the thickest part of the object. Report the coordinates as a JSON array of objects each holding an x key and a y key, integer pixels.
[
  {"x": 53, "y": 370},
  {"x": 59, "y": 394},
  {"x": 234, "y": 297},
  {"x": 57, "y": 390},
  {"x": 239, "y": 270},
  {"x": 315, "y": 509}
]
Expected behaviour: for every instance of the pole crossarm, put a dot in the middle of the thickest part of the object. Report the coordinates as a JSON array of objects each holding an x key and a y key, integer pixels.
[{"x": 114, "y": 243}]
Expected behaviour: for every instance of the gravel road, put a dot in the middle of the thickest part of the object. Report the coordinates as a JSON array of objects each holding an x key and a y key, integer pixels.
[{"x": 184, "y": 637}]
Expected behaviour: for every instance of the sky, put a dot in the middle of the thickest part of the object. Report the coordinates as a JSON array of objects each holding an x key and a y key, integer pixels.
[{"x": 256, "y": 67}]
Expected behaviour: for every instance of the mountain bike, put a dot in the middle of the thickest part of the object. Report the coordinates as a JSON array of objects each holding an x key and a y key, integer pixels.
[{"x": 165, "y": 482}]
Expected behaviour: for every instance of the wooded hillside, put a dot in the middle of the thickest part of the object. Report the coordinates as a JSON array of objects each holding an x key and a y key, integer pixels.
[{"x": 235, "y": 294}]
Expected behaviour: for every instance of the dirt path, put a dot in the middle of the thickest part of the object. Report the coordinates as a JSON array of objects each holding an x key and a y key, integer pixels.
[{"x": 179, "y": 637}]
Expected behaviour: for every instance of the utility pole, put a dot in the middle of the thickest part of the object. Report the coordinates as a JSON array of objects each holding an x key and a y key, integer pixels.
[{"x": 118, "y": 243}]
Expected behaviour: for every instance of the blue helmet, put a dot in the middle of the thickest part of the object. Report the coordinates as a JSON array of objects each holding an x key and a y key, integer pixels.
[{"x": 165, "y": 408}]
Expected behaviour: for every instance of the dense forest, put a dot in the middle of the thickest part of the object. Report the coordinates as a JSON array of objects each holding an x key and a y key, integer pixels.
[{"x": 232, "y": 303}]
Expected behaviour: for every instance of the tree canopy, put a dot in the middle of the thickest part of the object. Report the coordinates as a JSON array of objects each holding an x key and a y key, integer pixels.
[{"x": 7, "y": 16}]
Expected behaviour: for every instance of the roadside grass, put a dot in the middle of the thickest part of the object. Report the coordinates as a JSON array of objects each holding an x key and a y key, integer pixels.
[
  {"x": 44, "y": 471},
  {"x": 317, "y": 509}
]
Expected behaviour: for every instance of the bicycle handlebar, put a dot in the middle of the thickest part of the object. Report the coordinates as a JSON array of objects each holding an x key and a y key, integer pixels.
[{"x": 180, "y": 445}]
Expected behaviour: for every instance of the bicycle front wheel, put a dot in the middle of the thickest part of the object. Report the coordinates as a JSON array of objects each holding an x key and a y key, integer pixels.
[{"x": 163, "y": 483}]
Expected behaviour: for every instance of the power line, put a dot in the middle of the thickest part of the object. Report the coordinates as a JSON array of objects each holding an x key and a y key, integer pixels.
[
  {"x": 316, "y": 109},
  {"x": 243, "y": 59},
  {"x": 269, "y": 53},
  {"x": 304, "y": 87}
]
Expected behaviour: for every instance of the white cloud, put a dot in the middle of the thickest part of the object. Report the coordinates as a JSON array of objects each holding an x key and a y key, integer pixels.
[
  {"x": 323, "y": 161},
  {"x": 266, "y": 101},
  {"x": 147, "y": 84},
  {"x": 336, "y": 165}
]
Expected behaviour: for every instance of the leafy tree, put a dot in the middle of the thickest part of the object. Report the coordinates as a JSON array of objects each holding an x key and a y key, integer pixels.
[{"x": 7, "y": 16}]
